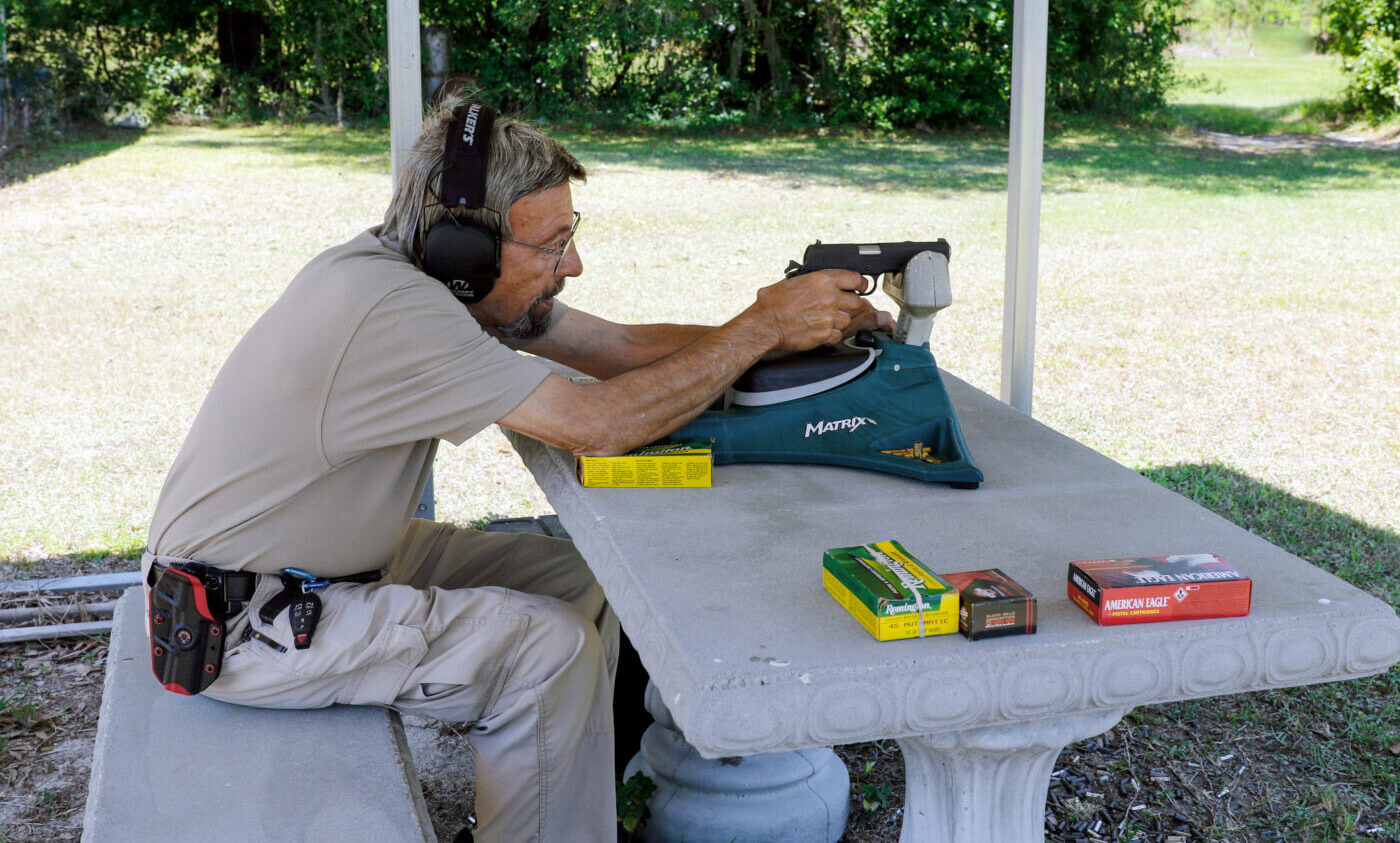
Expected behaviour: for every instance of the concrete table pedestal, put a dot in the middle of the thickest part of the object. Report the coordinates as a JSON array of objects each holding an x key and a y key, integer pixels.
[
  {"x": 776, "y": 797},
  {"x": 988, "y": 783}
]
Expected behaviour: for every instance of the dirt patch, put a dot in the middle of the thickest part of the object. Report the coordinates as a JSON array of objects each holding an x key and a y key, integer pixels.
[
  {"x": 49, "y": 696},
  {"x": 1264, "y": 144},
  {"x": 446, "y": 769}
]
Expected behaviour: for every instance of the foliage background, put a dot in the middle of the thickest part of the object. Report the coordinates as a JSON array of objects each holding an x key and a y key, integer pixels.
[{"x": 688, "y": 63}]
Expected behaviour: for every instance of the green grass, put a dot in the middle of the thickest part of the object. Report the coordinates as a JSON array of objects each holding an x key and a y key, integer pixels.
[
  {"x": 1196, "y": 305},
  {"x": 1266, "y": 82},
  {"x": 1321, "y": 754}
]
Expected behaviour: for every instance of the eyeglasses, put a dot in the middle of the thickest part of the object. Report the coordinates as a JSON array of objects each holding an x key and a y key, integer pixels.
[{"x": 561, "y": 251}]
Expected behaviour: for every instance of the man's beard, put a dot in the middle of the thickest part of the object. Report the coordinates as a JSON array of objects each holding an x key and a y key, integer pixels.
[{"x": 531, "y": 325}]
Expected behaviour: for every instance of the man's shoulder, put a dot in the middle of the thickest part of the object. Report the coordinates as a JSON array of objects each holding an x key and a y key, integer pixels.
[
  {"x": 363, "y": 259},
  {"x": 358, "y": 274}
]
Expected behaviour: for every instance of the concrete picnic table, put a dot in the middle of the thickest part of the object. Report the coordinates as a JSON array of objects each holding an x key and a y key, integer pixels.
[{"x": 720, "y": 591}]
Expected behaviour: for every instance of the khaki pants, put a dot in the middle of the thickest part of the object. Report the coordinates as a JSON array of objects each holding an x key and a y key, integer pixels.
[{"x": 507, "y": 632}]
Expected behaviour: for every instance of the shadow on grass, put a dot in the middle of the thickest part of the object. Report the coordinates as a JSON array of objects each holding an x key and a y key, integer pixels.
[
  {"x": 1365, "y": 556},
  {"x": 1309, "y": 763},
  {"x": 1075, "y": 159},
  {"x": 81, "y": 143},
  {"x": 365, "y": 150},
  {"x": 79, "y": 563},
  {"x": 1308, "y": 116}
]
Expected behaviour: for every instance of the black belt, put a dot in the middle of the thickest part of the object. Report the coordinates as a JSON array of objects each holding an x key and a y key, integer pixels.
[{"x": 227, "y": 591}]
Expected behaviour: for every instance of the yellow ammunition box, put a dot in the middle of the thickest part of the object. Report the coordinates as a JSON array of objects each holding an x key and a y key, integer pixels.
[
  {"x": 889, "y": 591},
  {"x": 664, "y": 465}
]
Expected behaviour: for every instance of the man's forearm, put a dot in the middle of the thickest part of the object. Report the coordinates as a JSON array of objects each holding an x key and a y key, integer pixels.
[
  {"x": 606, "y": 349},
  {"x": 643, "y": 402},
  {"x": 647, "y": 402}
]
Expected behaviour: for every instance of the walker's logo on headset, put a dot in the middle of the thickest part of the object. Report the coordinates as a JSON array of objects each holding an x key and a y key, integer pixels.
[
  {"x": 469, "y": 124},
  {"x": 849, "y": 425}
]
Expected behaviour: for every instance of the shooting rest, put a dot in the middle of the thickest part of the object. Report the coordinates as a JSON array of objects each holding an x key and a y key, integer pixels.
[{"x": 875, "y": 402}]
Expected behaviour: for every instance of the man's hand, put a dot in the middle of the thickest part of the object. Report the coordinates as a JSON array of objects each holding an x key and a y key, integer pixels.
[
  {"x": 869, "y": 319},
  {"x": 816, "y": 308}
]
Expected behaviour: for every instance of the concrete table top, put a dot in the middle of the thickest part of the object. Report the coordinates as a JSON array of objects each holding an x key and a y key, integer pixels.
[{"x": 720, "y": 591}]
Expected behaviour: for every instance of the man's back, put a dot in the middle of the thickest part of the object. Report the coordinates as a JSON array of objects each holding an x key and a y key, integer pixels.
[{"x": 316, "y": 438}]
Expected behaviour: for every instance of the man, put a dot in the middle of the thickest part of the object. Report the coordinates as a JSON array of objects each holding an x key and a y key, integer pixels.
[{"x": 315, "y": 443}]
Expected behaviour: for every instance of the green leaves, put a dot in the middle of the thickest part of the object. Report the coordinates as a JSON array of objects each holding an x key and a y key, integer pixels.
[
  {"x": 1367, "y": 34},
  {"x": 681, "y": 63},
  {"x": 632, "y": 796}
]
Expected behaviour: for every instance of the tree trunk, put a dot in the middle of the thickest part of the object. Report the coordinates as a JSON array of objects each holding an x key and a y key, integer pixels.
[
  {"x": 777, "y": 67},
  {"x": 240, "y": 37},
  {"x": 319, "y": 59},
  {"x": 736, "y": 53}
]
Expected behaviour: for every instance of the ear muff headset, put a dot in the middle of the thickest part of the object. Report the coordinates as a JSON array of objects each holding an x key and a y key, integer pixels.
[{"x": 461, "y": 253}]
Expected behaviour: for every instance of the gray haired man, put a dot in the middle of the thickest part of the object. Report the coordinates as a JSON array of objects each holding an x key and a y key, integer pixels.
[{"x": 316, "y": 439}]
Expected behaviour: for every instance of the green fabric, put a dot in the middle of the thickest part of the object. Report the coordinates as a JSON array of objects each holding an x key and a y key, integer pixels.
[{"x": 885, "y": 420}]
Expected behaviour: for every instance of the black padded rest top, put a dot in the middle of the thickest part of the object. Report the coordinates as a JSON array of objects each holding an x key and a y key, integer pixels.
[{"x": 801, "y": 368}]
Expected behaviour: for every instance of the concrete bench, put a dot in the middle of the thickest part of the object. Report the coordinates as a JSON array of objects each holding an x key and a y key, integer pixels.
[
  {"x": 168, "y": 767},
  {"x": 750, "y": 659}
]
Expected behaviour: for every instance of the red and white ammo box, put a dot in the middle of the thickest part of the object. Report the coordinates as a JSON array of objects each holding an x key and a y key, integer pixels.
[{"x": 1146, "y": 589}]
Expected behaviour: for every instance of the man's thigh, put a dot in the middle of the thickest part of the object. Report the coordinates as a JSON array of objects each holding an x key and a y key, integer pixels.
[
  {"x": 436, "y": 554},
  {"x": 456, "y": 608},
  {"x": 375, "y": 643}
]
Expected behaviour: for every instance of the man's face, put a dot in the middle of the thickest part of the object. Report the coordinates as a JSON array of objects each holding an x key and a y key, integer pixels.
[{"x": 519, "y": 304}]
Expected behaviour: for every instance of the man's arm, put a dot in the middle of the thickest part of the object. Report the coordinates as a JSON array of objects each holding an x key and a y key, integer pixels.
[
  {"x": 645, "y": 403},
  {"x": 606, "y": 349}
]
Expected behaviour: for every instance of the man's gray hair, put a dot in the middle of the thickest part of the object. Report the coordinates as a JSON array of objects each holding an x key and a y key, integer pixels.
[{"x": 522, "y": 160}]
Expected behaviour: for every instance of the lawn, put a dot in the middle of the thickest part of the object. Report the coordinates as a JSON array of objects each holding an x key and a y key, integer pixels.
[
  {"x": 1223, "y": 321},
  {"x": 1269, "y": 80}
]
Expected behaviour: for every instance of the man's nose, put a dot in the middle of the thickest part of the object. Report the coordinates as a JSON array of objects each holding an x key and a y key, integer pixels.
[{"x": 571, "y": 265}]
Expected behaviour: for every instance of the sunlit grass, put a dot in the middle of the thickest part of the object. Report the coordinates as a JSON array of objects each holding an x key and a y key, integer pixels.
[
  {"x": 1268, "y": 80},
  {"x": 1195, "y": 305}
]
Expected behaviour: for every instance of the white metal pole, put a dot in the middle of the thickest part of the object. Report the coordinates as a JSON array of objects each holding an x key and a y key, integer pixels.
[
  {"x": 405, "y": 79},
  {"x": 1029, "y": 35},
  {"x": 406, "y": 122}
]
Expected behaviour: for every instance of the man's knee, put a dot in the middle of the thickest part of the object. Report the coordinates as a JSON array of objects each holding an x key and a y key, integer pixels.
[{"x": 558, "y": 638}]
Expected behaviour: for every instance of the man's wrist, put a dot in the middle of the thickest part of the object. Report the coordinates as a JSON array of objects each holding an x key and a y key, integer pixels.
[{"x": 756, "y": 325}]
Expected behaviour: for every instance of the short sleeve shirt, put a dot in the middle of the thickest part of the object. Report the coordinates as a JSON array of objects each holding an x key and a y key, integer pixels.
[{"x": 315, "y": 441}]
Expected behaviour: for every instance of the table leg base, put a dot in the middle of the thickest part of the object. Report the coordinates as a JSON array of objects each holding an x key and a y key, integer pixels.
[
  {"x": 777, "y": 797},
  {"x": 988, "y": 783}
]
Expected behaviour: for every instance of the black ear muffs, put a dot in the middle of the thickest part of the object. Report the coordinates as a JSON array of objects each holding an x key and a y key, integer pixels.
[{"x": 465, "y": 254}]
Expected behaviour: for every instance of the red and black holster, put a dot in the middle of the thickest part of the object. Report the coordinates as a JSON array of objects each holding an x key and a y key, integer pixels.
[{"x": 188, "y": 605}]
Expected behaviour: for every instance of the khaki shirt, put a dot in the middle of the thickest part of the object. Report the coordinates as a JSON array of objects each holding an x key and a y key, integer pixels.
[{"x": 315, "y": 441}]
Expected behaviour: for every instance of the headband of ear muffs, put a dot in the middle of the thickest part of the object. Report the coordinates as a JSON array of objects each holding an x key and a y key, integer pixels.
[{"x": 461, "y": 253}]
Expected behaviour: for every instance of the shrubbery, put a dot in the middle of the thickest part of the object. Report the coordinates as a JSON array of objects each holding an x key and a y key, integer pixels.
[
  {"x": 1366, "y": 33},
  {"x": 889, "y": 63}
]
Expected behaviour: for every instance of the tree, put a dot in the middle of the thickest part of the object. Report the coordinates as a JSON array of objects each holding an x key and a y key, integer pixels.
[{"x": 1367, "y": 34}]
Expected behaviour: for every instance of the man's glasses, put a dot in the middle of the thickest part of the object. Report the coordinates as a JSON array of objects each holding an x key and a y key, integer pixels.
[{"x": 561, "y": 251}]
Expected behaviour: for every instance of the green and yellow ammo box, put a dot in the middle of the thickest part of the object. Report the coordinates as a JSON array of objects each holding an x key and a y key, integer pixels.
[
  {"x": 889, "y": 591},
  {"x": 663, "y": 465}
]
